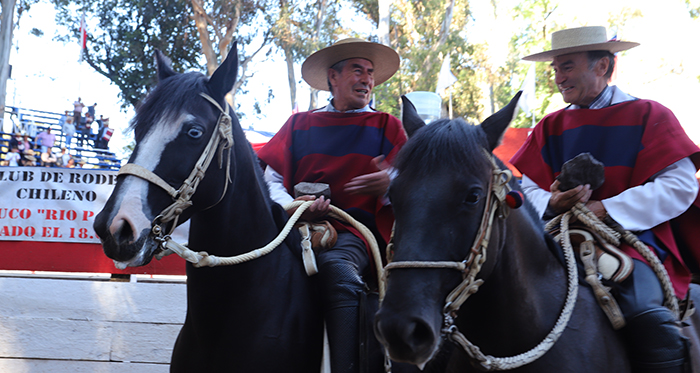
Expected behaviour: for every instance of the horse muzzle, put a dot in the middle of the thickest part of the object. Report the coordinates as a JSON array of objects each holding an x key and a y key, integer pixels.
[{"x": 407, "y": 339}]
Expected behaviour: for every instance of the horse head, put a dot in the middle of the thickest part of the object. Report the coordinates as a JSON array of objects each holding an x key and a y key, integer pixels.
[
  {"x": 183, "y": 125},
  {"x": 443, "y": 188}
]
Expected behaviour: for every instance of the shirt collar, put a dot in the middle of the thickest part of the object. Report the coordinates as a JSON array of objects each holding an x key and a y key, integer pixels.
[
  {"x": 330, "y": 108},
  {"x": 603, "y": 100}
]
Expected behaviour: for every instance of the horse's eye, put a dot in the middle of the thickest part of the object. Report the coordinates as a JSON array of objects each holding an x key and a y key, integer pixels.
[
  {"x": 472, "y": 197},
  {"x": 195, "y": 132}
]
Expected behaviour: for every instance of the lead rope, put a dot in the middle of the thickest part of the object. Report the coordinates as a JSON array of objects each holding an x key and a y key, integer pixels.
[
  {"x": 471, "y": 267},
  {"x": 613, "y": 233},
  {"x": 204, "y": 259}
]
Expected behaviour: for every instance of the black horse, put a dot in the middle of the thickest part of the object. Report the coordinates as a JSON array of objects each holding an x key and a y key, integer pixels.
[
  {"x": 260, "y": 316},
  {"x": 446, "y": 177}
]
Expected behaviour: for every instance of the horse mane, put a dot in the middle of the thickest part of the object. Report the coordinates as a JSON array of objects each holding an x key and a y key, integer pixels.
[
  {"x": 169, "y": 97},
  {"x": 454, "y": 144},
  {"x": 448, "y": 143}
]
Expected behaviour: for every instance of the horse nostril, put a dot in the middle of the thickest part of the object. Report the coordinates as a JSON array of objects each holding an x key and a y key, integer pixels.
[
  {"x": 123, "y": 232},
  {"x": 417, "y": 333}
]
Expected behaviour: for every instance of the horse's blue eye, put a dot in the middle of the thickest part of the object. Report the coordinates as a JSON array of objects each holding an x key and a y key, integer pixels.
[{"x": 195, "y": 132}]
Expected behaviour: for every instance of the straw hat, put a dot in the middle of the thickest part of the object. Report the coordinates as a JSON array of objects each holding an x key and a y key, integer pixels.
[
  {"x": 580, "y": 39},
  {"x": 315, "y": 69}
]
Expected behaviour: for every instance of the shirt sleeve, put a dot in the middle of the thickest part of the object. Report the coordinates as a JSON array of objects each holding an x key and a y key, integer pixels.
[
  {"x": 275, "y": 183},
  {"x": 667, "y": 195},
  {"x": 538, "y": 197}
]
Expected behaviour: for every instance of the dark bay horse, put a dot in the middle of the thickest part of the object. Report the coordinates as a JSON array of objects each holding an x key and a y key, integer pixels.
[
  {"x": 446, "y": 176},
  {"x": 260, "y": 316}
]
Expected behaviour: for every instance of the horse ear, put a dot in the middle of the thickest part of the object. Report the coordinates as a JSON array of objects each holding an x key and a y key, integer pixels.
[
  {"x": 410, "y": 119},
  {"x": 495, "y": 126},
  {"x": 221, "y": 82},
  {"x": 163, "y": 66}
]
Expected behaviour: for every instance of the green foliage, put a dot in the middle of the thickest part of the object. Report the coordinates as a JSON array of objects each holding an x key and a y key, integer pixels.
[
  {"x": 121, "y": 45},
  {"x": 693, "y": 11},
  {"x": 417, "y": 34}
]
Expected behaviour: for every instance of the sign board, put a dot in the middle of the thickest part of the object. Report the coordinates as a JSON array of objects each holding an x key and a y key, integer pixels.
[{"x": 49, "y": 212}]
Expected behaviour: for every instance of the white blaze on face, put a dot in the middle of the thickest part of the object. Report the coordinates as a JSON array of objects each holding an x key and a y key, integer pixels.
[{"x": 134, "y": 190}]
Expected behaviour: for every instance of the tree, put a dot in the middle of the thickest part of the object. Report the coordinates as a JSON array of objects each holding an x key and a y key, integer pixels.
[
  {"x": 301, "y": 28},
  {"x": 7, "y": 25},
  {"x": 422, "y": 32},
  {"x": 218, "y": 21},
  {"x": 121, "y": 45}
]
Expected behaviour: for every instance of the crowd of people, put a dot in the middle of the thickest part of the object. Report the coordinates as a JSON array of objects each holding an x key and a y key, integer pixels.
[
  {"x": 27, "y": 150},
  {"x": 39, "y": 152}
]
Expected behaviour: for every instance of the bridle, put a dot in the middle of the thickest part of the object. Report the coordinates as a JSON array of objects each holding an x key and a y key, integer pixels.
[
  {"x": 221, "y": 139},
  {"x": 471, "y": 266}
]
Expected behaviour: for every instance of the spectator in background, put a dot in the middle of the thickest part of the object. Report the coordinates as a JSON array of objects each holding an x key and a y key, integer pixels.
[
  {"x": 84, "y": 129},
  {"x": 68, "y": 131},
  {"x": 45, "y": 140},
  {"x": 91, "y": 110},
  {"x": 14, "y": 140},
  {"x": 28, "y": 159},
  {"x": 77, "y": 110},
  {"x": 24, "y": 145},
  {"x": 71, "y": 163},
  {"x": 48, "y": 159},
  {"x": 13, "y": 158},
  {"x": 63, "y": 158},
  {"x": 105, "y": 134}
]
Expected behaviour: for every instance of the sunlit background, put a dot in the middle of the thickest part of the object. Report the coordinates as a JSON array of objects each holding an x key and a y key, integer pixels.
[{"x": 47, "y": 76}]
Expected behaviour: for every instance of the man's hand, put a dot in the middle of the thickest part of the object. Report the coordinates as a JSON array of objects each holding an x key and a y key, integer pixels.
[
  {"x": 375, "y": 183},
  {"x": 561, "y": 202},
  {"x": 320, "y": 208}
]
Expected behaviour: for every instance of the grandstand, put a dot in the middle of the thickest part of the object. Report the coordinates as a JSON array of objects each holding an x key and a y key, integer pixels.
[{"x": 35, "y": 121}]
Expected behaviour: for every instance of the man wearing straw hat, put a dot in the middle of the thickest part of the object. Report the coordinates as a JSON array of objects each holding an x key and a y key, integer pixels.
[
  {"x": 346, "y": 145},
  {"x": 650, "y": 166}
]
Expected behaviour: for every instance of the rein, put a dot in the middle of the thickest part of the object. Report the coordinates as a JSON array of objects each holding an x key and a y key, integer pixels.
[
  {"x": 222, "y": 139},
  {"x": 470, "y": 268},
  {"x": 222, "y": 135}
]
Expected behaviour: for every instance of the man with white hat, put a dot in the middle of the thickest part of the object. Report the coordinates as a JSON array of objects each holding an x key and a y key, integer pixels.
[
  {"x": 346, "y": 145},
  {"x": 650, "y": 166}
]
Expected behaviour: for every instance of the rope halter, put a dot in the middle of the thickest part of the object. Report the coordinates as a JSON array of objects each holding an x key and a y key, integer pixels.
[
  {"x": 221, "y": 139},
  {"x": 470, "y": 267}
]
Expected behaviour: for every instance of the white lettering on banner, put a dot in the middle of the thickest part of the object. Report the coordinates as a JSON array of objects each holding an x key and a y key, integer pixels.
[
  {"x": 56, "y": 204},
  {"x": 52, "y": 204}
]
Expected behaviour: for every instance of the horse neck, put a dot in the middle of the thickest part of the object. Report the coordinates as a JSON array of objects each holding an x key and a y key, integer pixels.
[
  {"x": 243, "y": 218},
  {"x": 527, "y": 285}
]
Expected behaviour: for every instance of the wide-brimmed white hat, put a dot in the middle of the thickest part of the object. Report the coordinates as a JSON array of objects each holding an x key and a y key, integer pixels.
[
  {"x": 580, "y": 39},
  {"x": 315, "y": 69}
]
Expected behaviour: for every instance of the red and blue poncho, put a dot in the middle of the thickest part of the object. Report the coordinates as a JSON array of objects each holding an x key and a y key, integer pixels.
[
  {"x": 333, "y": 148},
  {"x": 634, "y": 139}
]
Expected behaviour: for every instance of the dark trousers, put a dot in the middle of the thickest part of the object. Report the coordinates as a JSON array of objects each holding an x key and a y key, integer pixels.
[
  {"x": 340, "y": 269},
  {"x": 652, "y": 332}
]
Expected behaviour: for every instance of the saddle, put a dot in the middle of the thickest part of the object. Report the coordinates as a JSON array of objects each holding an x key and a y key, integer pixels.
[
  {"x": 601, "y": 261},
  {"x": 316, "y": 236}
]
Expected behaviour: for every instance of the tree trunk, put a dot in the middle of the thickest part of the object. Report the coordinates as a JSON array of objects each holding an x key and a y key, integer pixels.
[
  {"x": 290, "y": 76},
  {"x": 320, "y": 15},
  {"x": 6, "y": 27},
  {"x": 201, "y": 21},
  {"x": 384, "y": 18},
  {"x": 444, "y": 33}
]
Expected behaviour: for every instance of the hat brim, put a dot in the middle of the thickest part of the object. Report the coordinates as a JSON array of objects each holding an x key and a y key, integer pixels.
[
  {"x": 610, "y": 46},
  {"x": 384, "y": 59}
]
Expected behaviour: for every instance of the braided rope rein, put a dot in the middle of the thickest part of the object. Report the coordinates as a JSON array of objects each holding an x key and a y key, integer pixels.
[
  {"x": 470, "y": 285},
  {"x": 204, "y": 259},
  {"x": 613, "y": 233},
  {"x": 491, "y": 363}
]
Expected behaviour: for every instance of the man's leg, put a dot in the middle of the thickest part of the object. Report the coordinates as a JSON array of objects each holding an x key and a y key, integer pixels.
[
  {"x": 652, "y": 332},
  {"x": 339, "y": 270}
]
